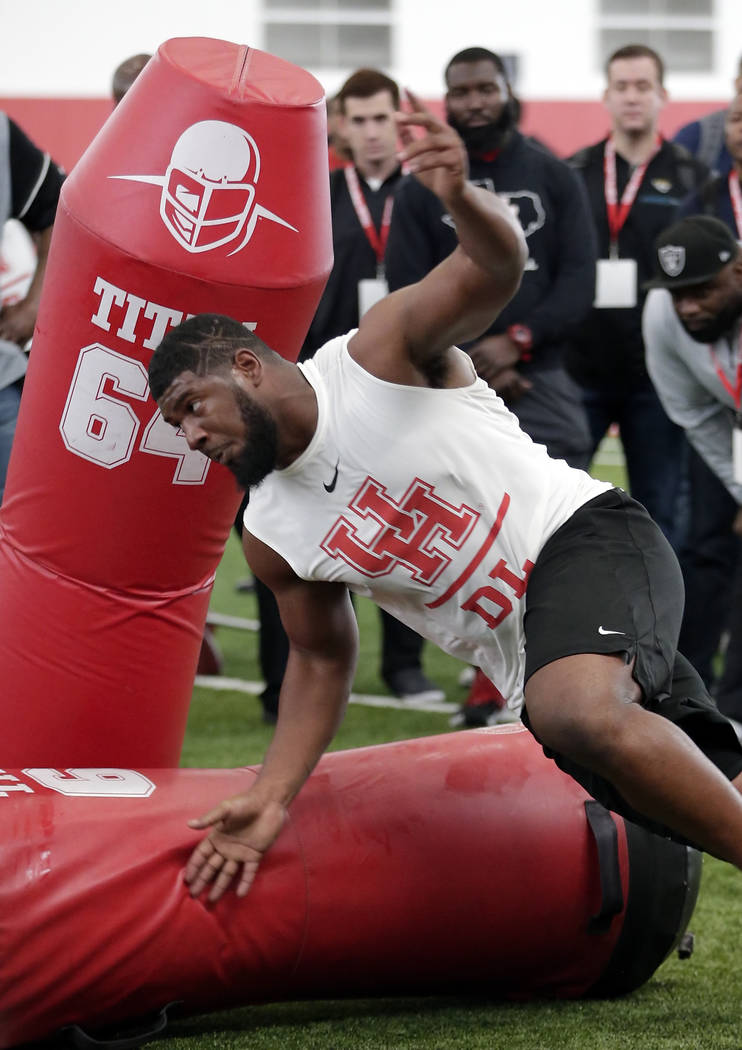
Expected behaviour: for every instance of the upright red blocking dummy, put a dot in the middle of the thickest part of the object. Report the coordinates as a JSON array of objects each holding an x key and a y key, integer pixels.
[
  {"x": 464, "y": 862},
  {"x": 206, "y": 191}
]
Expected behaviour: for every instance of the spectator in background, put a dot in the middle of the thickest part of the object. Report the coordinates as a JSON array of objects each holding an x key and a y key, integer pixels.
[
  {"x": 705, "y": 137},
  {"x": 635, "y": 181},
  {"x": 337, "y": 148},
  {"x": 719, "y": 195},
  {"x": 30, "y": 183},
  {"x": 692, "y": 324},
  {"x": 522, "y": 355},
  {"x": 125, "y": 74},
  {"x": 361, "y": 200},
  {"x": 713, "y": 554}
]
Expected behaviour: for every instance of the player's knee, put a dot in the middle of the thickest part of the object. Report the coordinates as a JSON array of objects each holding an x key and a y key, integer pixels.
[
  {"x": 584, "y": 736},
  {"x": 579, "y": 699},
  {"x": 587, "y": 726}
]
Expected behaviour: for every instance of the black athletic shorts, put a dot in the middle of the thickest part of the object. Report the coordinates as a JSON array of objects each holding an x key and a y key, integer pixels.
[{"x": 608, "y": 581}]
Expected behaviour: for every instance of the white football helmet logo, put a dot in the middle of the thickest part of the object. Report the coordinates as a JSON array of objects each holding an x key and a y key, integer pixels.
[{"x": 208, "y": 190}]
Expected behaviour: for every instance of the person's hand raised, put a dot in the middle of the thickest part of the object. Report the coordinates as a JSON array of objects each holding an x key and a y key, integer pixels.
[{"x": 438, "y": 157}]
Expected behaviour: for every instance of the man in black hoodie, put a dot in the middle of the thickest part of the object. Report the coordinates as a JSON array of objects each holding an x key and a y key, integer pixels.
[{"x": 521, "y": 356}]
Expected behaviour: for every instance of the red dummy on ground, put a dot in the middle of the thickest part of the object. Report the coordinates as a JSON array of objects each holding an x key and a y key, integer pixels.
[{"x": 458, "y": 863}]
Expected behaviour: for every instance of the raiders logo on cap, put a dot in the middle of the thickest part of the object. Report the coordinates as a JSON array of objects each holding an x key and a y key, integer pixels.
[
  {"x": 672, "y": 259},
  {"x": 692, "y": 251}
]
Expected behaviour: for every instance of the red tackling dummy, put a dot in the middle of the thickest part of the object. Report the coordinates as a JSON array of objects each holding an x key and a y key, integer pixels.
[
  {"x": 450, "y": 864},
  {"x": 205, "y": 191}
]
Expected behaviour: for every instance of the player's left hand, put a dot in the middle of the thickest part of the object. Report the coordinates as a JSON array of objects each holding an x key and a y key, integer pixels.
[
  {"x": 244, "y": 828},
  {"x": 438, "y": 158},
  {"x": 737, "y": 523}
]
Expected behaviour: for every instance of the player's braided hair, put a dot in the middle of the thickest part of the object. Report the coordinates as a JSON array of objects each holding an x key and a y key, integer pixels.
[{"x": 203, "y": 344}]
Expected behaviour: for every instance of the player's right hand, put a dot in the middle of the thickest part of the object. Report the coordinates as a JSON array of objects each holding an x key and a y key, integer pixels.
[
  {"x": 438, "y": 157},
  {"x": 243, "y": 829}
]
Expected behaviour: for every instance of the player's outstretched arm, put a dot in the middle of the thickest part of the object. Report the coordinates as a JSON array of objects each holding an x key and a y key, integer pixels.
[
  {"x": 323, "y": 640},
  {"x": 461, "y": 297},
  {"x": 486, "y": 228}
]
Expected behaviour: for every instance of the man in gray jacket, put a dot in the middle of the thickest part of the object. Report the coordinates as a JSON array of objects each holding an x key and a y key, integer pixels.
[{"x": 692, "y": 326}]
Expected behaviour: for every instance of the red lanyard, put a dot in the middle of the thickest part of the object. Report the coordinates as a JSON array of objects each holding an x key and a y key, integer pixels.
[
  {"x": 376, "y": 240},
  {"x": 734, "y": 391},
  {"x": 736, "y": 198},
  {"x": 618, "y": 212}
]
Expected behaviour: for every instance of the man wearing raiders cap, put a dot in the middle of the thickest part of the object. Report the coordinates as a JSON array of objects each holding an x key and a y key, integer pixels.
[{"x": 693, "y": 335}]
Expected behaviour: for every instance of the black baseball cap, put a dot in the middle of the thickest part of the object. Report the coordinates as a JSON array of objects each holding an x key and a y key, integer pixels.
[{"x": 692, "y": 251}]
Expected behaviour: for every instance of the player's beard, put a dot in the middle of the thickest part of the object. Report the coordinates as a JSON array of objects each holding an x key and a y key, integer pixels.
[
  {"x": 718, "y": 326},
  {"x": 258, "y": 457},
  {"x": 486, "y": 137}
]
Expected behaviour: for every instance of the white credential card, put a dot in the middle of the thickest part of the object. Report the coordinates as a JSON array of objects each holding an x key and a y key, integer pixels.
[
  {"x": 370, "y": 291},
  {"x": 737, "y": 454},
  {"x": 615, "y": 283}
]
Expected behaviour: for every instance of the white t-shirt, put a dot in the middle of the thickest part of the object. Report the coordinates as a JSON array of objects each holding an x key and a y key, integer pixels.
[{"x": 433, "y": 502}]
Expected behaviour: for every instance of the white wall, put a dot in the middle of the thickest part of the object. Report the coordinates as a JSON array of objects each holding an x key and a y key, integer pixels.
[
  {"x": 533, "y": 29},
  {"x": 556, "y": 39},
  {"x": 53, "y": 48},
  {"x": 50, "y": 47}
]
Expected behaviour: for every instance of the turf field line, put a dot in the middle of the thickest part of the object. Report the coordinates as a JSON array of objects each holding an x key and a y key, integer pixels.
[
  {"x": 217, "y": 619},
  {"x": 609, "y": 453},
  {"x": 232, "y": 685},
  {"x": 240, "y": 685}
]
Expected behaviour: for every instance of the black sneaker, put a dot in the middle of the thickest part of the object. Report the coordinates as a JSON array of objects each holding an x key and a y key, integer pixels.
[
  {"x": 411, "y": 684},
  {"x": 477, "y": 716}
]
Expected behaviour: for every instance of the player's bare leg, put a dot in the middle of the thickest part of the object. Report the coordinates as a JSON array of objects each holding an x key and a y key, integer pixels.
[{"x": 587, "y": 708}]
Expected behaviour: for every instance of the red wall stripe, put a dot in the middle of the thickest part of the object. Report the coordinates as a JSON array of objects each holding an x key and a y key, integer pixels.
[{"x": 65, "y": 126}]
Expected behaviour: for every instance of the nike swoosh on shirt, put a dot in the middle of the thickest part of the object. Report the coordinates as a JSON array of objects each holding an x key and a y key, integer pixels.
[
  {"x": 602, "y": 630},
  {"x": 333, "y": 483}
]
